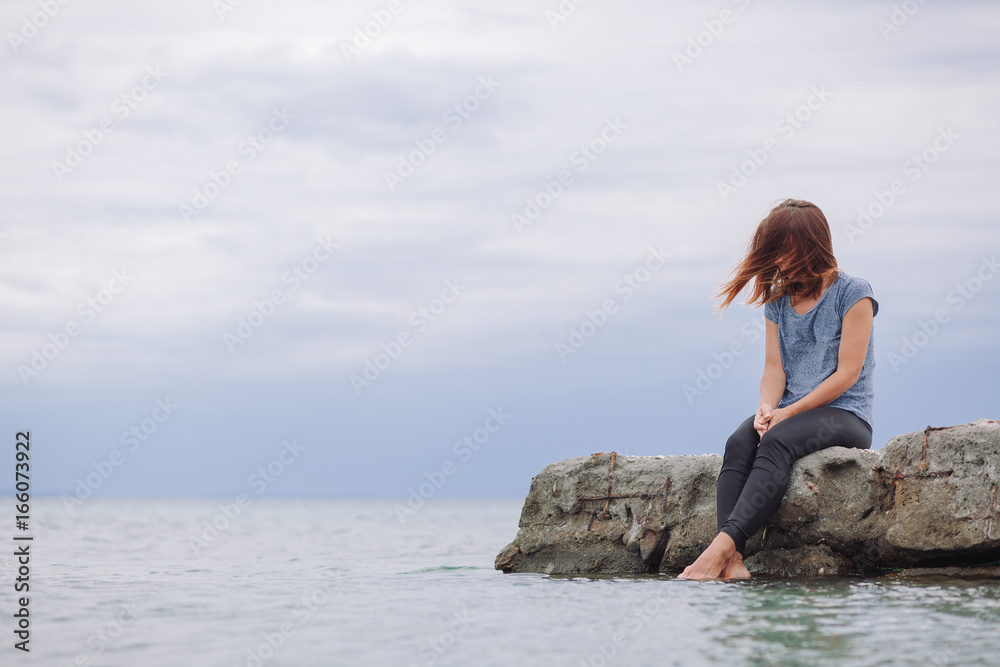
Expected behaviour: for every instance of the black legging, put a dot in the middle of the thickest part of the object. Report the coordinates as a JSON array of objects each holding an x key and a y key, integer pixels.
[{"x": 753, "y": 479}]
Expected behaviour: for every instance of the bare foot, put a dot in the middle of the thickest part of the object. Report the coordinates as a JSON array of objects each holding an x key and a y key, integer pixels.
[
  {"x": 712, "y": 561},
  {"x": 735, "y": 569}
]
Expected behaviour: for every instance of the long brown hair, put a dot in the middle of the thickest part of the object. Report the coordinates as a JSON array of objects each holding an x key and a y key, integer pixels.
[{"x": 794, "y": 227}]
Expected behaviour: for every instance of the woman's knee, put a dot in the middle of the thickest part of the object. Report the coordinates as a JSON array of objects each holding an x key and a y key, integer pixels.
[
  {"x": 742, "y": 442},
  {"x": 737, "y": 445},
  {"x": 831, "y": 427},
  {"x": 776, "y": 454},
  {"x": 801, "y": 435},
  {"x": 772, "y": 440},
  {"x": 787, "y": 444}
]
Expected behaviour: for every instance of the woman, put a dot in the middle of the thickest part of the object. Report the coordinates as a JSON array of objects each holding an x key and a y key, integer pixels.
[{"x": 816, "y": 390}]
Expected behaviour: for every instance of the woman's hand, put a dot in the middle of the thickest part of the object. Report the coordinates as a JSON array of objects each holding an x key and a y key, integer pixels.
[
  {"x": 779, "y": 415},
  {"x": 762, "y": 418}
]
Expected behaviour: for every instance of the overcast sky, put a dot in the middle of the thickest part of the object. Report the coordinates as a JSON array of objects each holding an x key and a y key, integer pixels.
[{"x": 216, "y": 218}]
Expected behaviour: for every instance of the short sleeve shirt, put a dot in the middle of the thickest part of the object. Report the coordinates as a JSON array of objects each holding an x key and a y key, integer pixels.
[{"x": 810, "y": 345}]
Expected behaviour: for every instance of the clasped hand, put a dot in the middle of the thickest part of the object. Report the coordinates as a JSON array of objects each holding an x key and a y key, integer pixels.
[{"x": 767, "y": 417}]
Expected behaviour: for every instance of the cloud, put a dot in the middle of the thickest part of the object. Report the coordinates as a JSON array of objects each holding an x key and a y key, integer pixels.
[{"x": 324, "y": 175}]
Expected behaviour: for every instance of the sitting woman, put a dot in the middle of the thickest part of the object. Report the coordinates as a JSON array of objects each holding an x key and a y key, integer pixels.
[{"x": 816, "y": 390}]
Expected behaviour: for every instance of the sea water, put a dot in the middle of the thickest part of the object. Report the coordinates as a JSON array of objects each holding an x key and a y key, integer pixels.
[{"x": 143, "y": 583}]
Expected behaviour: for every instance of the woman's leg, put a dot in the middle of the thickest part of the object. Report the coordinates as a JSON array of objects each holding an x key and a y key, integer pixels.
[
  {"x": 767, "y": 482},
  {"x": 741, "y": 448},
  {"x": 780, "y": 447}
]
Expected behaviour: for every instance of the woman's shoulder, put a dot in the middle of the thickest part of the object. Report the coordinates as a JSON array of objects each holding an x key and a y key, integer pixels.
[
  {"x": 851, "y": 288},
  {"x": 846, "y": 281},
  {"x": 772, "y": 309}
]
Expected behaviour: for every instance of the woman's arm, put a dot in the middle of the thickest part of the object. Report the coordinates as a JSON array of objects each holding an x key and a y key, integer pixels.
[
  {"x": 856, "y": 329},
  {"x": 772, "y": 382}
]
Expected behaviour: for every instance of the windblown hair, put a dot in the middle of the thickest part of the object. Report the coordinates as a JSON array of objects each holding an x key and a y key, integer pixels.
[{"x": 795, "y": 228}]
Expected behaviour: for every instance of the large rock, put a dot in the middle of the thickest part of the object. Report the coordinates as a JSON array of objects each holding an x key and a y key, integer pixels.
[{"x": 927, "y": 499}]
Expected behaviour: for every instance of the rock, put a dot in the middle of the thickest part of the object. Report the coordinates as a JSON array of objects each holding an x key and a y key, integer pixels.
[
  {"x": 927, "y": 499},
  {"x": 809, "y": 561},
  {"x": 982, "y": 572},
  {"x": 944, "y": 495}
]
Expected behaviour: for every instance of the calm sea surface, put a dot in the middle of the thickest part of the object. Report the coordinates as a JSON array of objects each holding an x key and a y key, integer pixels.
[{"x": 346, "y": 583}]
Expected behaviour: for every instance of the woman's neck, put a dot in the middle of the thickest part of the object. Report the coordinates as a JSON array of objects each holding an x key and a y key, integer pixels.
[{"x": 829, "y": 280}]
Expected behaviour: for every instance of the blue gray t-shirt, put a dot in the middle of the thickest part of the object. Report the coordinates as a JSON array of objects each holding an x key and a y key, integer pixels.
[{"x": 810, "y": 344}]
